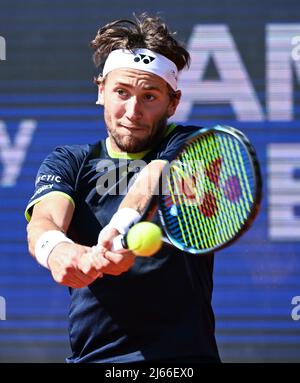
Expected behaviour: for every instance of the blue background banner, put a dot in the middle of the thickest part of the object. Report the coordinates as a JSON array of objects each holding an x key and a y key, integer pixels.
[{"x": 245, "y": 72}]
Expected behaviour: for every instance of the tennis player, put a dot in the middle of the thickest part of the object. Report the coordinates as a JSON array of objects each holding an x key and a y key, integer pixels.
[{"x": 123, "y": 308}]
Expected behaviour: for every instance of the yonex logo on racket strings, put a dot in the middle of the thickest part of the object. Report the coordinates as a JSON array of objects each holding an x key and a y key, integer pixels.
[
  {"x": 2, "y": 49},
  {"x": 202, "y": 188}
]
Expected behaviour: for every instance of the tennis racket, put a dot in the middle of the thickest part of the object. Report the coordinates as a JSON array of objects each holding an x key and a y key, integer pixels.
[{"x": 210, "y": 194}]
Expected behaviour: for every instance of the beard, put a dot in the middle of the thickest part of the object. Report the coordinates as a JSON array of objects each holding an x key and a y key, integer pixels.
[{"x": 132, "y": 144}]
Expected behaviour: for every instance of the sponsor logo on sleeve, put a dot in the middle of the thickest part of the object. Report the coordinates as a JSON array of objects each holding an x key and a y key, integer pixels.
[
  {"x": 48, "y": 178},
  {"x": 41, "y": 189}
]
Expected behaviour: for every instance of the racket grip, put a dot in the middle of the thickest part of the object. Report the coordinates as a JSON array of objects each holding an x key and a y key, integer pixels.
[{"x": 119, "y": 244}]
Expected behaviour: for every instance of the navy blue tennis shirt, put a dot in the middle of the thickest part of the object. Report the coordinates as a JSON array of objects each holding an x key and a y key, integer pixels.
[{"x": 160, "y": 309}]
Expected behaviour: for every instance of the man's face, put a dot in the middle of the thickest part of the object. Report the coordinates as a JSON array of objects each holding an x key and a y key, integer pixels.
[{"x": 137, "y": 105}]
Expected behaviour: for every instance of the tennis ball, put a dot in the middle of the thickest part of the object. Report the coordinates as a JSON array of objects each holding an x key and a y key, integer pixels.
[{"x": 144, "y": 238}]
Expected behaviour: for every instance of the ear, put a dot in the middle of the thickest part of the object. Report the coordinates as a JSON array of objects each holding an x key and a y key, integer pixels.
[
  {"x": 174, "y": 103},
  {"x": 100, "y": 100}
]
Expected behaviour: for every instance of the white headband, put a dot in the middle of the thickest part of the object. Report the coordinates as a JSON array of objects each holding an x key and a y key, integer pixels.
[{"x": 143, "y": 59}]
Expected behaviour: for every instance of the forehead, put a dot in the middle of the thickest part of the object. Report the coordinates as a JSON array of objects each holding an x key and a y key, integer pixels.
[{"x": 136, "y": 78}]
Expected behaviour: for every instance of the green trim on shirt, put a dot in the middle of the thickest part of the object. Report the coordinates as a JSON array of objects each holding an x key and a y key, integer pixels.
[
  {"x": 129, "y": 156},
  {"x": 169, "y": 129},
  {"x": 34, "y": 202}
]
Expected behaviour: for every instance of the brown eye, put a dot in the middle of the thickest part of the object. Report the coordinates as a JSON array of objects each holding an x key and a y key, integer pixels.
[
  {"x": 149, "y": 97},
  {"x": 121, "y": 92}
]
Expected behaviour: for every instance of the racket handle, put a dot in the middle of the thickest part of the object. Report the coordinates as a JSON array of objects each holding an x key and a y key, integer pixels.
[{"x": 119, "y": 244}]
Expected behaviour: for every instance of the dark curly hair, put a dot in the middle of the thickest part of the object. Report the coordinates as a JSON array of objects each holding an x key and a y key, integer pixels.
[{"x": 142, "y": 32}]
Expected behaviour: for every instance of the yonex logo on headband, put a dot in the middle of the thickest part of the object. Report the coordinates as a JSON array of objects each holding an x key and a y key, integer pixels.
[{"x": 145, "y": 60}]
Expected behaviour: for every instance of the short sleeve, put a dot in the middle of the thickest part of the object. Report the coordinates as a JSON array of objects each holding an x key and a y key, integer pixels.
[{"x": 58, "y": 174}]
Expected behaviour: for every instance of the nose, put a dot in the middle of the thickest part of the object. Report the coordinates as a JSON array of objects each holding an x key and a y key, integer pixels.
[{"x": 133, "y": 109}]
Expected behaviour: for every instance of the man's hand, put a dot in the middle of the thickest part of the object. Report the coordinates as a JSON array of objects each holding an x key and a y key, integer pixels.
[
  {"x": 75, "y": 265},
  {"x": 78, "y": 266},
  {"x": 118, "y": 262}
]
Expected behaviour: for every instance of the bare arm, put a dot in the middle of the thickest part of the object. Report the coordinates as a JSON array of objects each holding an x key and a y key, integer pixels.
[
  {"x": 71, "y": 264},
  {"x": 55, "y": 213},
  {"x": 52, "y": 213},
  {"x": 75, "y": 265}
]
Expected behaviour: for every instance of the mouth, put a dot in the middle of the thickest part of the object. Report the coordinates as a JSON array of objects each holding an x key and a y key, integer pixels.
[{"x": 132, "y": 128}]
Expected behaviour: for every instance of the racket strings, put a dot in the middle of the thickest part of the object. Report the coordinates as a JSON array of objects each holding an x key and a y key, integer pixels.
[
  {"x": 198, "y": 231},
  {"x": 203, "y": 231},
  {"x": 218, "y": 202},
  {"x": 221, "y": 227},
  {"x": 211, "y": 149},
  {"x": 207, "y": 203},
  {"x": 229, "y": 215},
  {"x": 195, "y": 168}
]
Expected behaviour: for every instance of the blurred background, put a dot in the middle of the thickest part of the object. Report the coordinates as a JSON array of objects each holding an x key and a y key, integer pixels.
[{"x": 245, "y": 72}]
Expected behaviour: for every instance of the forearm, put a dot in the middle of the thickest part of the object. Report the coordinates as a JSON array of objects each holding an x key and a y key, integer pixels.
[
  {"x": 70, "y": 264},
  {"x": 36, "y": 228},
  {"x": 52, "y": 213}
]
